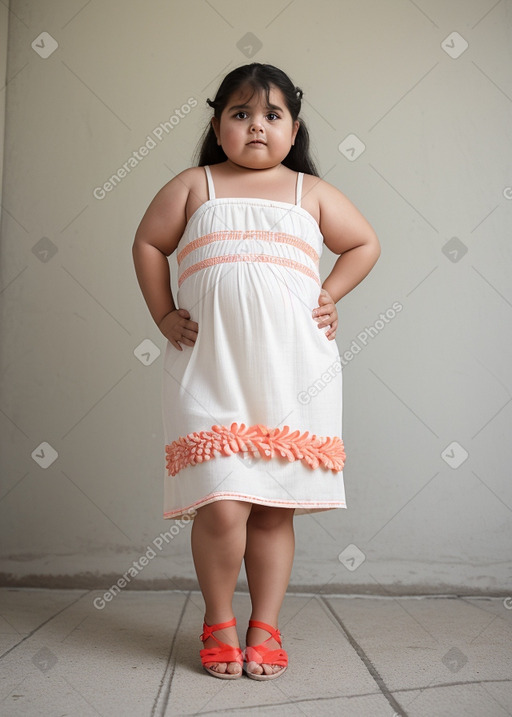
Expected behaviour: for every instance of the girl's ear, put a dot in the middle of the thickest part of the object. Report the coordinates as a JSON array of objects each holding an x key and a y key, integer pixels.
[
  {"x": 216, "y": 128},
  {"x": 296, "y": 127}
]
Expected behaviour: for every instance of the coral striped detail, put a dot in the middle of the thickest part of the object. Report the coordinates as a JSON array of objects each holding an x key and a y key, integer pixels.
[
  {"x": 225, "y": 258},
  {"x": 280, "y": 237},
  {"x": 257, "y": 440}
]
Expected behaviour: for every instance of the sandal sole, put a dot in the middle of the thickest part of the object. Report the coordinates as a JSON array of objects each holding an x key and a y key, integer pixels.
[
  {"x": 223, "y": 675},
  {"x": 263, "y": 677}
]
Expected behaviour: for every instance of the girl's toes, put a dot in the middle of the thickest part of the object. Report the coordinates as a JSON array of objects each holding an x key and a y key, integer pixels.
[
  {"x": 268, "y": 669},
  {"x": 234, "y": 668},
  {"x": 255, "y": 668},
  {"x": 218, "y": 666},
  {"x": 274, "y": 669}
]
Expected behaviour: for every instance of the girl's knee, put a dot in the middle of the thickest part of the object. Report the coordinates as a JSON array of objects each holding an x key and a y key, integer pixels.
[{"x": 222, "y": 516}]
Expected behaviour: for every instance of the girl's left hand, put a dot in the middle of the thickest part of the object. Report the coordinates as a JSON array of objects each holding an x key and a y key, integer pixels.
[{"x": 326, "y": 314}]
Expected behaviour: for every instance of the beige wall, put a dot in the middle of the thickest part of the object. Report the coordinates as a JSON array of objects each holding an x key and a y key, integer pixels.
[
  {"x": 434, "y": 180},
  {"x": 4, "y": 30}
]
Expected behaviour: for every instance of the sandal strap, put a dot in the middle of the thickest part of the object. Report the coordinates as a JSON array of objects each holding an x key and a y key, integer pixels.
[
  {"x": 274, "y": 632},
  {"x": 209, "y": 629},
  {"x": 225, "y": 653},
  {"x": 261, "y": 654}
]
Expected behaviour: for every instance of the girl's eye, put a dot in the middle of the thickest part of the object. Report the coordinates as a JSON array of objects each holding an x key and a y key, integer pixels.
[{"x": 272, "y": 116}]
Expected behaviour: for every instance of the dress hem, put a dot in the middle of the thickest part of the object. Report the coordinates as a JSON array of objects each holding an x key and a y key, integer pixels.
[{"x": 305, "y": 506}]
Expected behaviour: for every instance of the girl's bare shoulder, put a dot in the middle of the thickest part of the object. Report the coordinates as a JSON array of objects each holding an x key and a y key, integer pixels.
[
  {"x": 186, "y": 182},
  {"x": 314, "y": 193},
  {"x": 183, "y": 194},
  {"x": 166, "y": 217},
  {"x": 321, "y": 190},
  {"x": 193, "y": 182},
  {"x": 330, "y": 200},
  {"x": 342, "y": 224}
]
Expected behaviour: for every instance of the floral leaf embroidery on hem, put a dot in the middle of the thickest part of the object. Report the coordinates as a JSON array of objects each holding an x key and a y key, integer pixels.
[{"x": 312, "y": 450}]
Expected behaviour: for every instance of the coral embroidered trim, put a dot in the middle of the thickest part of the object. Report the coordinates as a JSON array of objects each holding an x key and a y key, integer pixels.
[
  {"x": 262, "y": 235},
  {"x": 249, "y": 257},
  {"x": 312, "y": 450}
]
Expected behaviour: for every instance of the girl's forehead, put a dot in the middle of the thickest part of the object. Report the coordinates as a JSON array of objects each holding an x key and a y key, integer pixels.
[{"x": 254, "y": 96}]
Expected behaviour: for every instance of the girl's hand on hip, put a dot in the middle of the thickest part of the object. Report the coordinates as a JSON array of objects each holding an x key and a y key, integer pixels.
[
  {"x": 326, "y": 314},
  {"x": 177, "y": 327}
]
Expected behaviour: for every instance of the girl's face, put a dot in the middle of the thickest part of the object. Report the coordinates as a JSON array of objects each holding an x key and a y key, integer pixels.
[{"x": 253, "y": 133}]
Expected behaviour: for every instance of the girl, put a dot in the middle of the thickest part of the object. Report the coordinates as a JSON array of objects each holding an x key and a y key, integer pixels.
[{"x": 252, "y": 386}]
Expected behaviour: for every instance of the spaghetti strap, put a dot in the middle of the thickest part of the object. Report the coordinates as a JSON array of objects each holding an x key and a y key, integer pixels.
[
  {"x": 209, "y": 179},
  {"x": 300, "y": 177}
]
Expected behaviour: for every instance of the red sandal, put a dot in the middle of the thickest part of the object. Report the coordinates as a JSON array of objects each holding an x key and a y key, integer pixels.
[
  {"x": 262, "y": 654},
  {"x": 223, "y": 653}
]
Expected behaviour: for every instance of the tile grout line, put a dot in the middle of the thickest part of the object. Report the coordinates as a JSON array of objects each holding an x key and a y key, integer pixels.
[
  {"x": 162, "y": 697},
  {"x": 43, "y": 624},
  {"x": 239, "y": 710},
  {"x": 366, "y": 660},
  {"x": 459, "y": 683}
]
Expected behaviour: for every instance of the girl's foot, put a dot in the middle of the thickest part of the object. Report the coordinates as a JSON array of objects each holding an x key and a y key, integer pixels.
[
  {"x": 260, "y": 647},
  {"x": 223, "y": 644}
]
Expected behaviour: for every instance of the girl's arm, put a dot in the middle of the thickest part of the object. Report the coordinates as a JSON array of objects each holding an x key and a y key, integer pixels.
[
  {"x": 156, "y": 238},
  {"x": 347, "y": 233}
]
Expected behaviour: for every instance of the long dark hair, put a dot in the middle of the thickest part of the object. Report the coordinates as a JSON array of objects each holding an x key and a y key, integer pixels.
[{"x": 259, "y": 77}]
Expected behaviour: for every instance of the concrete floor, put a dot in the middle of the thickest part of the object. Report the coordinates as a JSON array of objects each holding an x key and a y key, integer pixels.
[{"x": 138, "y": 654}]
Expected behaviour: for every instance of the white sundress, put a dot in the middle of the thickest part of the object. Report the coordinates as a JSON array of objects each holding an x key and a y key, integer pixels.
[{"x": 252, "y": 411}]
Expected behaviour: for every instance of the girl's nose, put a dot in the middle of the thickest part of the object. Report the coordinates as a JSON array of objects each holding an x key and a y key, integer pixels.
[{"x": 256, "y": 126}]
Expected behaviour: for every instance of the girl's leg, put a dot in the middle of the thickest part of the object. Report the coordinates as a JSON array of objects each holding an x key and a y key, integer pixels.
[
  {"x": 218, "y": 546},
  {"x": 268, "y": 564}
]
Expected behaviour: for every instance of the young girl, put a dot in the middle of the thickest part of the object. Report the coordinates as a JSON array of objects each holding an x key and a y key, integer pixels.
[{"x": 252, "y": 385}]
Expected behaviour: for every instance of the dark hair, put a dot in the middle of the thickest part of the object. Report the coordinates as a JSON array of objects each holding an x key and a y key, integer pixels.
[{"x": 259, "y": 77}]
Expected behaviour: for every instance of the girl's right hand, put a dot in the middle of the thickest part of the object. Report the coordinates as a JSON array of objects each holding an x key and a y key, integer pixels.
[{"x": 176, "y": 326}]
